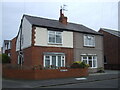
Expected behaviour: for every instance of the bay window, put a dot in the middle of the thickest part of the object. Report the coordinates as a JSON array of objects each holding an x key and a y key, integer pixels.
[{"x": 54, "y": 60}]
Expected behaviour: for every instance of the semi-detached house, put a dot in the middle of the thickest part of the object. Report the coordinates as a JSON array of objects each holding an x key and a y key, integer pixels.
[{"x": 46, "y": 42}]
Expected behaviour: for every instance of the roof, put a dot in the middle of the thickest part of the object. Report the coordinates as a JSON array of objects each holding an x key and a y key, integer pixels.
[
  {"x": 113, "y": 32},
  {"x": 43, "y": 22}
]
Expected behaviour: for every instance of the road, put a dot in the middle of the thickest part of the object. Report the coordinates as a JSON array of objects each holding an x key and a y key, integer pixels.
[{"x": 113, "y": 83}]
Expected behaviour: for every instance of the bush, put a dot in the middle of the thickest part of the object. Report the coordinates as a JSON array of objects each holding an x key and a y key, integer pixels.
[
  {"x": 37, "y": 67},
  {"x": 100, "y": 70},
  {"x": 79, "y": 64},
  {"x": 5, "y": 58}
]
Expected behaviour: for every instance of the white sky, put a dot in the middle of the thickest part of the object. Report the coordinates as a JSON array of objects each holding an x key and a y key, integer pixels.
[{"x": 94, "y": 15}]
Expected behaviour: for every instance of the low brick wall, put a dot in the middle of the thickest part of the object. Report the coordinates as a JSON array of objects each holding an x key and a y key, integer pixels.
[{"x": 44, "y": 74}]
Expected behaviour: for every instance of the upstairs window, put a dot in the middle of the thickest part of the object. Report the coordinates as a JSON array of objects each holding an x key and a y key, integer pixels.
[
  {"x": 54, "y": 37},
  {"x": 89, "y": 40}
]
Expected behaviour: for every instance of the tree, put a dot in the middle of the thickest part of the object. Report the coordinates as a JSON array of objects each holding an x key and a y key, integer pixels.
[{"x": 5, "y": 58}]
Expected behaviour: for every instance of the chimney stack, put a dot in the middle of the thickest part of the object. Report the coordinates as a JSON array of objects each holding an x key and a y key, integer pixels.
[{"x": 62, "y": 18}]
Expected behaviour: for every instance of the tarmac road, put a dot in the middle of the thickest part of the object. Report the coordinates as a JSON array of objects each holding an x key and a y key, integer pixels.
[{"x": 113, "y": 83}]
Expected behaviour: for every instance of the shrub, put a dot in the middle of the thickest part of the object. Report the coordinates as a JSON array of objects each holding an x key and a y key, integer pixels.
[
  {"x": 5, "y": 58},
  {"x": 79, "y": 64},
  {"x": 37, "y": 67},
  {"x": 100, "y": 70}
]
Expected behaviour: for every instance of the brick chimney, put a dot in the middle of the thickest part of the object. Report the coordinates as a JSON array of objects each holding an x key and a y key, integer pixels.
[{"x": 62, "y": 18}]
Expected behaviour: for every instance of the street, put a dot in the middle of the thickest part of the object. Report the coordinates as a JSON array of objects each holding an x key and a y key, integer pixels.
[{"x": 113, "y": 83}]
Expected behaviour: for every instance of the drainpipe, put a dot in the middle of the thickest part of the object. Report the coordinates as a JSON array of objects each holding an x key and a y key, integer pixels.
[{"x": 20, "y": 51}]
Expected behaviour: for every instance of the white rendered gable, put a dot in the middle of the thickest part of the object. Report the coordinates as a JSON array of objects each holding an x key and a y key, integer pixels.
[{"x": 26, "y": 35}]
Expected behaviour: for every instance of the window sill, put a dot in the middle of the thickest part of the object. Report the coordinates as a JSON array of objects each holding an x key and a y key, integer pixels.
[
  {"x": 89, "y": 46},
  {"x": 92, "y": 67},
  {"x": 54, "y": 43}
]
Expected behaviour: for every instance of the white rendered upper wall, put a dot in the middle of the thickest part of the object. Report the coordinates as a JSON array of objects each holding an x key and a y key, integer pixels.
[{"x": 41, "y": 39}]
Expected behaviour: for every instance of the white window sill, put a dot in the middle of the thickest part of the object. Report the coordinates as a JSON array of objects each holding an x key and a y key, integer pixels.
[
  {"x": 92, "y": 67},
  {"x": 55, "y": 43},
  {"x": 89, "y": 46}
]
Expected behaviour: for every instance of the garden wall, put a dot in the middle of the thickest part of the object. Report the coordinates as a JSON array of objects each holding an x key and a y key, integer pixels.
[{"x": 44, "y": 74}]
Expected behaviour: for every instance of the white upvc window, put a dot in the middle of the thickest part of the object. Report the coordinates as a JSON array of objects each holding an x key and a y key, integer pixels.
[
  {"x": 56, "y": 60},
  {"x": 54, "y": 37},
  {"x": 90, "y": 59},
  {"x": 89, "y": 40}
]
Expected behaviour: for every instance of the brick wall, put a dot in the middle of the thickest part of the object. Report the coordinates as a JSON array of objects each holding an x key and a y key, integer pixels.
[
  {"x": 13, "y": 52},
  {"x": 111, "y": 49},
  {"x": 44, "y": 74},
  {"x": 34, "y": 55}
]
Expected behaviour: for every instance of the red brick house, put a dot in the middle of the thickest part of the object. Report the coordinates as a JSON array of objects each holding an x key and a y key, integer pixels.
[
  {"x": 46, "y": 42},
  {"x": 111, "y": 41}
]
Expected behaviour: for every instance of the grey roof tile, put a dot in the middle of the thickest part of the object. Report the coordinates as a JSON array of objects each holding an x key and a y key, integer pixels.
[
  {"x": 113, "y": 32},
  {"x": 38, "y": 21}
]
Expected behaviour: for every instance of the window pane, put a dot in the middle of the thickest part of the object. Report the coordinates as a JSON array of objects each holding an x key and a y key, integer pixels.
[
  {"x": 52, "y": 32},
  {"x": 47, "y": 62},
  {"x": 85, "y": 61},
  {"x": 89, "y": 37},
  {"x": 52, "y": 38},
  {"x": 90, "y": 57},
  {"x": 58, "y": 33},
  {"x": 90, "y": 63},
  {"x": 94, "y": 57},
  {"x": 54, "y": 60},
  {"x": 47, "y": 57},
  {"x": 84, "y": 57},
  {"x": 58, "y": 39},
  {"x": 94, "y": 63},
  {"x": 59, "y": 61}
]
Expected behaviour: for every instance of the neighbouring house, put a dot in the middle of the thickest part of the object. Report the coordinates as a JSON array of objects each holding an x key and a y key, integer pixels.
[
  {"x": 111, "y": 41},
  {"x": 6, "y": 47},
  {"x": 46, "y": 42}
]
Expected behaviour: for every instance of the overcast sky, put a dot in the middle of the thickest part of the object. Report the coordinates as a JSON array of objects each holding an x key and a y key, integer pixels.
[{"x": 94, "y": 15}]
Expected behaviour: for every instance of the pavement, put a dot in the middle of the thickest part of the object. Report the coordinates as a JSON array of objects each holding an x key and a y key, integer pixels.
[{"x": 10, "y": 83}]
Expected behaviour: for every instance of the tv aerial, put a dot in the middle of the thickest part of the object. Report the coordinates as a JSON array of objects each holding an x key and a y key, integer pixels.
[{"x": 63, "y": 7}]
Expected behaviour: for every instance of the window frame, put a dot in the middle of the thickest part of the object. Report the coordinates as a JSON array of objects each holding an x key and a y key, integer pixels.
[
  {"x": 55, "y": 37},
  {"x": 91, "y": 60},
  {"x": 56, "y": 60},
  {"x": 88, "y": 44}
]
